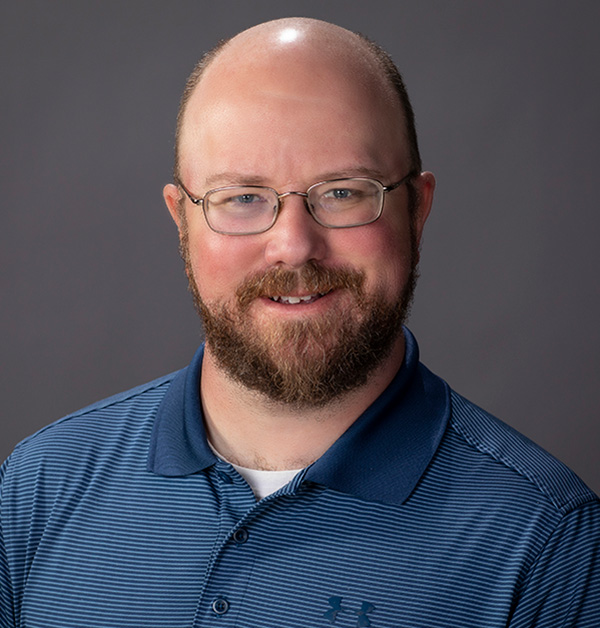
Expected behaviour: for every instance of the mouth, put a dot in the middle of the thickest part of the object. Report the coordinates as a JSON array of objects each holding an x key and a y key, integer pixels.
[
  {"x": 297, "y": 300},
  {"x": 293, "y": 288}
]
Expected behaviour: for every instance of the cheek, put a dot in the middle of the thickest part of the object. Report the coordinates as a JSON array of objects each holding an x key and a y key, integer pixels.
[
  {"x": 219, "y": 263},
  {"x": 383, "y": 251}
]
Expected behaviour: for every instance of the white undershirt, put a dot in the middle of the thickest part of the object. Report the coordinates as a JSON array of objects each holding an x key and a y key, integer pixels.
[{"x": 261, "y": 482}]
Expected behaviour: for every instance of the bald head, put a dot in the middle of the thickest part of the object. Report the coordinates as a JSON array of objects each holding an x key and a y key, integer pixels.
[
  {"x": 310, "y": 54},
  {"x": 305, "y": 47}
]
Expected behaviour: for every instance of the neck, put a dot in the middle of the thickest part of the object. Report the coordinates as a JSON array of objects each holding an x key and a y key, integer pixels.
[{"x": 254, "y": 432}]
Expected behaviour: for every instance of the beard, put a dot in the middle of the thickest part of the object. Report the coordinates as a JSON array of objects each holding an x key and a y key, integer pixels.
[{"x": 303, "y": 363}]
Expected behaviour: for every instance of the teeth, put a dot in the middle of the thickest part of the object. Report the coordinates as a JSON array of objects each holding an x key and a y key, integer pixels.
[{"x": 295, "y": 300}]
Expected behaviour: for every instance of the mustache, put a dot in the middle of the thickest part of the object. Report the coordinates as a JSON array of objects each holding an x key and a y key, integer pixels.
[{"x": 313, "y": 277}]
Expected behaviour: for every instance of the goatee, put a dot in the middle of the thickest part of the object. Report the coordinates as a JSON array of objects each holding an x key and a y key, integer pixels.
[{"x": 309, "y": 362}]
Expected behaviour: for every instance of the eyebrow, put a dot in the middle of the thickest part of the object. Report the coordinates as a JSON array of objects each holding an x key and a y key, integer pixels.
[
  {"x": 238, "y": 178},
  {"x": 233, "y": 178},
  {"x": 356, "y": 171}
]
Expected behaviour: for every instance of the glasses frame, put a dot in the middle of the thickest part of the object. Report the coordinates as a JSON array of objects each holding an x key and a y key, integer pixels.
[{"x": 383, "y": 189}]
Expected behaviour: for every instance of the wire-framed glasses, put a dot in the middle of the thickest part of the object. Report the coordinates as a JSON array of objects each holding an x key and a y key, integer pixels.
[{"x": 252, "y": 209}]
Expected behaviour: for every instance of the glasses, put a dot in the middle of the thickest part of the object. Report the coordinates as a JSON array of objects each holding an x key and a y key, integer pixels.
[{"x": 252, "y": 209}]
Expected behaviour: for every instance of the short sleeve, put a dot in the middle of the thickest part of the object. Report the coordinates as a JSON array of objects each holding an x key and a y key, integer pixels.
[{"x": 562, "y": 589}]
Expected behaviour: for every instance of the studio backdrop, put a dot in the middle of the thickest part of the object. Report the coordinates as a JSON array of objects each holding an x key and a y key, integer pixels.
[{"x": 506, "y": 94}]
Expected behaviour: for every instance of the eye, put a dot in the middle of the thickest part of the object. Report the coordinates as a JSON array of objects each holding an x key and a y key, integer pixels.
[
  {"x": 342, "y": 198},
  {"x": 339, "y": 194},
  {"x": 245, "y": 199},
  {"x": 241, "y": 199}
]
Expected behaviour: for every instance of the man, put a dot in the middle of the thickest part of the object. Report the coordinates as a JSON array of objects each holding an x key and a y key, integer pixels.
[{"x": 305, "y": 470}]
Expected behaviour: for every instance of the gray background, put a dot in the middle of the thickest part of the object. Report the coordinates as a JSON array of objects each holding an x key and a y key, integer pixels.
[{"x": 93, "y": 296}]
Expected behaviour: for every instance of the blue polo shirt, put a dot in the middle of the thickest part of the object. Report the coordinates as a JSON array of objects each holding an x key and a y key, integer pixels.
[{"x": 427, "y": 512}]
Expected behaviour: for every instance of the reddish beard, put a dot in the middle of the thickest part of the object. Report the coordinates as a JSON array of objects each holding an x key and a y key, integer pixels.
[
  {"x": 287, "y": 342},
  {"x": 309, "y": 362}
]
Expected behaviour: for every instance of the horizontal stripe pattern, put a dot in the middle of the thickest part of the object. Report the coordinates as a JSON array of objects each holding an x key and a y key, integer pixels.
[{"x": 496, "y": 533}]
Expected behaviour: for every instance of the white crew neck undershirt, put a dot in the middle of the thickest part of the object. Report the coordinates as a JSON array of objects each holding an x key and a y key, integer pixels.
[{"x": 261, "y": 482}]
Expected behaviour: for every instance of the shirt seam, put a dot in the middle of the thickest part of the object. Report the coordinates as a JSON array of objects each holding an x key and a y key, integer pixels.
[
  {"x": 526, "y": 579},
  {"x": 577, "y": 500},
  {"x": 100, "y": 405}
]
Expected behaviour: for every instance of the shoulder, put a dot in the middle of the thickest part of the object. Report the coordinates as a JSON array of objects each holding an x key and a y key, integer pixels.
[
  {"x": 518, "y": 462},
  {"x": 110, "y": 424}
]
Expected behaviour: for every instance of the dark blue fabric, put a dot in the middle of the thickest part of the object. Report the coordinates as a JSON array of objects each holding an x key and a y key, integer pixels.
[{"x": 178, "y": 445}]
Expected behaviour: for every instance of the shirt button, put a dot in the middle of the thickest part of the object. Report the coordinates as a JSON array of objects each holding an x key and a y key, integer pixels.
[
  {"x": 241, "y": 535},
  {"x": 220, "y": 606}
]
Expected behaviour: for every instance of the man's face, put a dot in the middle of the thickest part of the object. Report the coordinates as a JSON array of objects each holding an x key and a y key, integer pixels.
[{"x": 289, "y": 128}]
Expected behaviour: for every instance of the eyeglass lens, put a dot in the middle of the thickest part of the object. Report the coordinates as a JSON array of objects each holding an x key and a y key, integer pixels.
[{"x": 251, "y": 209}]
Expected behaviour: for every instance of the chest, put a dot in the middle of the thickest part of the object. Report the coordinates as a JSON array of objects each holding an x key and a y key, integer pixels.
[{"x": 201, "y": 551}]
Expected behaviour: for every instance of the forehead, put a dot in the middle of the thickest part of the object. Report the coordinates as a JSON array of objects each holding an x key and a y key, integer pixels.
[{"x": 257, "y": 105}]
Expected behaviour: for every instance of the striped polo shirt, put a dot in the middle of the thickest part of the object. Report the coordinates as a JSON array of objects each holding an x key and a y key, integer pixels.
[{"x": 426, "y": 513}]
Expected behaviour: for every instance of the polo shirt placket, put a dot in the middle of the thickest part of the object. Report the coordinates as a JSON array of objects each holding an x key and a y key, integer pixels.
[
  {"x": 232, "y": 560},
  {"x": 230, "y": 564}
]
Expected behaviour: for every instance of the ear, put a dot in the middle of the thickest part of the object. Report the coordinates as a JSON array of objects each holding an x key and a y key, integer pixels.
[
  {"x": 425, "y": 185},
  {"x": 172, "y": 196}
]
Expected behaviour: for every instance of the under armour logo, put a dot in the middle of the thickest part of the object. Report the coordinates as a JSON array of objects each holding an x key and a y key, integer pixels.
[
  {"x": 363, "y": 620},
  {"x": 335, "y": 602},
  {"x": 336, "y": 607}
]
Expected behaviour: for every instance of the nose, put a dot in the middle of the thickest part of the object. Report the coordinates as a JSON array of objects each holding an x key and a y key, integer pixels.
[{"x": 296, "y": 237}]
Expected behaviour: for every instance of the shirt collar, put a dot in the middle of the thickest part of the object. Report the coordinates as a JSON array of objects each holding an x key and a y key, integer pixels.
[{"x": 381, "y": 456}]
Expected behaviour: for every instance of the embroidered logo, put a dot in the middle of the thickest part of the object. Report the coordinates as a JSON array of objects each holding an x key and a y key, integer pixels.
[{"x": 362, "y": 621}]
